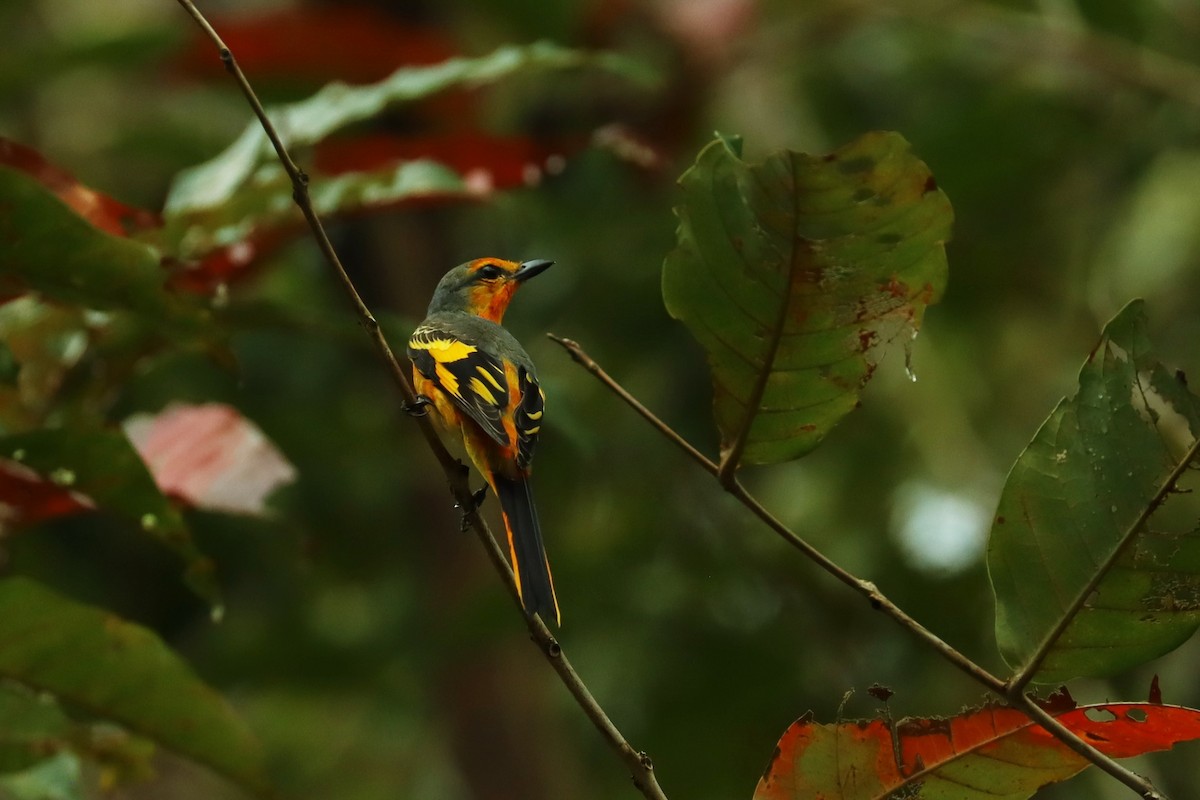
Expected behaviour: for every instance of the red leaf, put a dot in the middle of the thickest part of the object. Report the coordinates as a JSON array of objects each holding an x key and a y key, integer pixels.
[
  {"x": 209, "y": 456},
  {"x": 27, "y": 497},
  {"x": 104, "y": 212},
  {"x": 354, "y": 43},
  {"x": 231, "y": 262},
  {"x": 984, "y": 753}
]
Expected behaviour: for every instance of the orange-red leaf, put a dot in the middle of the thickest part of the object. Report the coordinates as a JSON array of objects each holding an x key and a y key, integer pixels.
[
  {"x": 978, "y": 755},
  {"x": 104, "y": 212},
  {"x": 27, "y": 497}
]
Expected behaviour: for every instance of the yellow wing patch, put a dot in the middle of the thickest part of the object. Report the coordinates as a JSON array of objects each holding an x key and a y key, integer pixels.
[
  {"x": 474, "y": 379},
  {"x": 443, "y": 349},
  {"x": 483, "y": 392},
  {"x": 447, "y": 380}
]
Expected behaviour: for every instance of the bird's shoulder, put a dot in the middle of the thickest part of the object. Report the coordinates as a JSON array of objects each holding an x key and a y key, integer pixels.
[{"x": 484, "y": 335}]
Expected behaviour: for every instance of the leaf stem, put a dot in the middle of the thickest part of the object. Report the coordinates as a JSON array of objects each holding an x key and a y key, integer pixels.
[
  {"x": 638, "y": 763},
  {"x": 876, "y": 598},
  {"x": 1029, "y": 670}
]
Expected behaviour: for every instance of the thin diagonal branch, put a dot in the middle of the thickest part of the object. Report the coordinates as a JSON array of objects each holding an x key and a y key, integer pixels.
[
  {"x": 1022, "y": 678},
  {"x": 876, "y": 598},
  {"x": 640, "y": 766},
  {"x": 867, "y": 589}
]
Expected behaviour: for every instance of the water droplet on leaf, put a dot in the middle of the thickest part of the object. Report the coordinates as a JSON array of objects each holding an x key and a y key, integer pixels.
[{"x": 908, "y": 352}]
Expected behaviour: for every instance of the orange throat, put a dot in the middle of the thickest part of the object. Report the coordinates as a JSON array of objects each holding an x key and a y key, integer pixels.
[{"x": 490, "y": 302}]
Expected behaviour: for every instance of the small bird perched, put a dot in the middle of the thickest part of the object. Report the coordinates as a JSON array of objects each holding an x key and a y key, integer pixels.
[{"x": 483, "y": 386}]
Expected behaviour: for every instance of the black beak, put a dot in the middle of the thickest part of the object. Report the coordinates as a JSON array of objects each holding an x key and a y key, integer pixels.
[{"x": 530, "y": 268}]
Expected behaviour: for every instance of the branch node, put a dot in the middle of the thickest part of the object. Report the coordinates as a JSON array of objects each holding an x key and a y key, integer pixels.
[
  {"x": 553, "y": 648},
  {"x": 646, "y": 761},
  {"x": 727, "y": 471}
]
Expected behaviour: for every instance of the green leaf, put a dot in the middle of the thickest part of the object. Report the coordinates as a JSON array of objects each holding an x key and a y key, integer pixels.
[
  {"x": 1083, "y": 575},
  {"x": 103, "y": 466},
  {"x": 55, "y": 778},
  {"x": 46, "y": 246},
  {"x": 32, "y": 728},
  {"x": 338, "y": 106},
  {"x": 110, "y": 668},
  {"x": 792, "y": 273},
  {"x": 266, "y": 203},
  {"x": 43, "y": 341}
]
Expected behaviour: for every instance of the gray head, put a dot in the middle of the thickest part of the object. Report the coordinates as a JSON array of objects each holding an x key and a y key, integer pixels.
[{"x": 483, "y": 287}]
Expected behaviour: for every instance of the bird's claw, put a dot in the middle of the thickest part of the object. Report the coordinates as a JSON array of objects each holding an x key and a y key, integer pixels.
[
  {"x": 418, "y": 407},
  {"x": 477, "y": 499}
]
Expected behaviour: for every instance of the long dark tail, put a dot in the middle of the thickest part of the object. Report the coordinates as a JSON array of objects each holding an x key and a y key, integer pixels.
[{"x": 534, "y": 583}]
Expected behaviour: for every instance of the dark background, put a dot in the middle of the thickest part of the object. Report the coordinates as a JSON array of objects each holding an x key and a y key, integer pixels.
[{"x": 369, "y": 643}]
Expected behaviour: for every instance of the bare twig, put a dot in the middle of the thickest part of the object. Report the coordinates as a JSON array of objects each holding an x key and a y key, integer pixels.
[
  {"x": 867, "y": 589},
  {"x": 1029, "y": 670},
  {"x": 877, "y": 600},
  {"x": 639, "y": 764},
  {"x": 1065, "y": 735}
]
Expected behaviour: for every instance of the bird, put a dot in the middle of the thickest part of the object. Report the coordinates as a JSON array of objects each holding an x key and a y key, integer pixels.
[{"x": 483, "y": 390}]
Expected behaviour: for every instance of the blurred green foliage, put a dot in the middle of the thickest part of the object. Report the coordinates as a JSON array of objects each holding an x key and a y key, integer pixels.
[{"x": 368, "y": 643}]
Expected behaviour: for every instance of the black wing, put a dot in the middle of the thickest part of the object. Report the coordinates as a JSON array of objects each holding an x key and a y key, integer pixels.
[
  {"x": 474, "y": 379},
  {"x": 528, "y": 417}
]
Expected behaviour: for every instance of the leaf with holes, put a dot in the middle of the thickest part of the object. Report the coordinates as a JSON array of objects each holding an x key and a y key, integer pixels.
[
  {"x": 793, "y": 272},
  {"x": 1090, "y": 577},
  {"x": 983, "y": 754},
  {"x": 108, "y": 668}
]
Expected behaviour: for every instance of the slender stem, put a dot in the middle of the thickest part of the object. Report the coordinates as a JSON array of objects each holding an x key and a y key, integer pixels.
[
  {"x": 867, "y": 589},
  {"x": 584, "y": 360},
  {"x": 1029, "y": 670},
  {"x": 877, "y": 600},
  {"x": 639, "y": 764},
  {"x": 1065, "y": 735}
]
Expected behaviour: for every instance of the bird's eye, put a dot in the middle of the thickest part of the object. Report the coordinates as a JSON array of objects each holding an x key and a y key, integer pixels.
[{"x": 489, "y": 272}]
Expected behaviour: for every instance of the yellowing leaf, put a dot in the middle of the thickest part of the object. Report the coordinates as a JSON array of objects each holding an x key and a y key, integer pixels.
[{"x": 792, "y": 272}]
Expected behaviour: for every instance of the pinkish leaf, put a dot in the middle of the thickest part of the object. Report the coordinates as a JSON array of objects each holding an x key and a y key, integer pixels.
[{"x": 209, "y": 456}]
